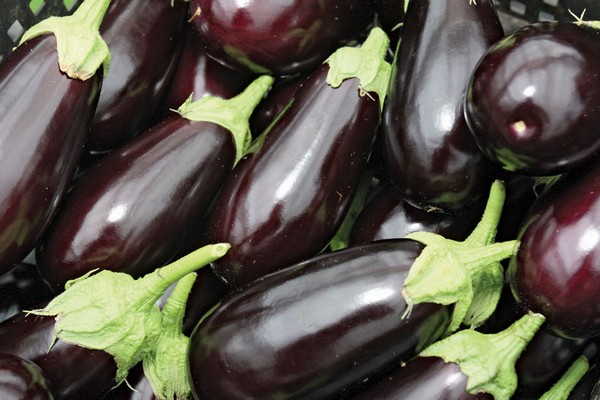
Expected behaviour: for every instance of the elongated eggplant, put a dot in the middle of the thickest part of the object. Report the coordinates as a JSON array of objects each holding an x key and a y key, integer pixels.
[
  {"x": 465, "y": 366},
  {"x": 139, "y": 205},
  {"x": 22, "y": 379},
  {"x": 281, "y": 38},
  {"x": 556, "y": 271},
  {"x": 312, "y": 330},
  {"x": 431, "y": 155},
  {"x": 286, "y": 200},
  {"x": 199, "y": 75},
  {"x": 45, "y": 115},
  {"x": 74, "y": 350},
  {"x": 533, "y": 102},
  {"x": 319, "y": 328},
  {"x": 145, "y": 39}
]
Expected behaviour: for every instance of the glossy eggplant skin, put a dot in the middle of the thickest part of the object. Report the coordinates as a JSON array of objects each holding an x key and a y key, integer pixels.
[
  {"x": 422, "y": 378},
  {"x": 139, "y": 205},
  {"x": 388, "y": 216},
  {"x": 44, "y": 120},
  {"x": 72, "y": 371},
  {"x": 533, "y": 102},
  {"x": 145, "y": 40},
  {"x": 280, "y": 38},
  {"x": 285, "y": 203},
  {"x": 22, "y": 288},
  {"x": 22, "y": 379},
  {"x": 315, "y": 329},
  {"x": 431, "y": 156},
  {"x": 198, "y": 75},
  {"x": 556, "y": 270}
]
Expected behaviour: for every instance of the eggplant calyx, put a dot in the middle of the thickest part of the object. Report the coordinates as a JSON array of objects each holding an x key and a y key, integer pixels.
[
  {"x": 562, "y": 389},
  {"x": 165, "y": 365},
  {"x": 488, "y": 360},
  {"x": 232, "y": 114},
  {"x": 467, "y": 274},
  {"x": 113, "y": 312},
  {"x": 366, "y": 63},
  {"x": 81, "y": 50}
]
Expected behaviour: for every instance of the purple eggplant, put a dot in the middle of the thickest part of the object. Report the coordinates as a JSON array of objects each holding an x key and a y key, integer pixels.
[
  {"x": 199, "y": 75},
  {"x": 285, "y": 201},
  {"x": 312, "y": 330},
  {"x": 44, "y": 120},
  {"x": 533, "y": 102},
  {"x": 467, "y": 365},
  {"x": 556, "y": 271},
  {"x": 22, "y": 288},
  {"x": 431, "y": 155},
  {"x": 22, "y": 379},
  {"x": 281, "y": 38},
  {"x": 145, "y": 39},
  {"x": 72, "y": 371},
  {"x": 387, "y": 215},
  {"x": 137, "y": 207}
]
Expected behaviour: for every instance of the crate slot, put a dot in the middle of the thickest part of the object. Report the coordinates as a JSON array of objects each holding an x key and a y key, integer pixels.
[{"x": 15, "y": 31}]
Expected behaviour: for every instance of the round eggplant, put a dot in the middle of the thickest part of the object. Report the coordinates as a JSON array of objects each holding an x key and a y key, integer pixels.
[{"x": 533, "y": 102}]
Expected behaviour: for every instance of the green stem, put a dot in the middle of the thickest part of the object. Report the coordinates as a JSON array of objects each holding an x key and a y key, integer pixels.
[
  {"x": 174, "y": 310},
  {"x": 91, "y": 12},
  {"x": 562, "y": 389},
  {"x": 152, "y": 286},
  {"x": 488, "y": 360},
  {"x": 232, "y": 114},
  {"x": 485, "y": 231}
]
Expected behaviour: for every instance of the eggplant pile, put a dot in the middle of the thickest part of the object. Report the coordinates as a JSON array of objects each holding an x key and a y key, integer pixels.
[{"x": 312, "y": 200}]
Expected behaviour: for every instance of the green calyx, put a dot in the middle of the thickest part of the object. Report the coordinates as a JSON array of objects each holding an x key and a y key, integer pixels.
[
  {"x": 562, "y": 389},
  {"x": 488, "y": 360},
  {"x": 366, "y": 63},
  {"x": 465, "y": 274},
  {"x": 165, "y": 365},
  {"x": 113, "y": 312},
  {"x": 232, "y": 114},
  {"x": 81, "y": 50}
]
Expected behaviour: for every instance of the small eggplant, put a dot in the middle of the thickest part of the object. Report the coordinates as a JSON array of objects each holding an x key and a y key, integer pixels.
[
  {"x": 319, "y": 328},
  {"x": 430, "y": 152},
  {"x": 86, "y": 339},
  {"x": 555, "y": 271},
  {"x": 280, "y": 38},
  {"x": 286, "y": 201},
  {"x": 22, "y": 379},
  {"x": 387, "y": 215},
  {"x": 45, "y": 115},
  {"x": 137, "y": 207},
  {"x": 467, "y": 365},
  {"x": 533, "y": 102},
  {"x": 145, "y": 40},
  {"x": 200, "y": 75}
]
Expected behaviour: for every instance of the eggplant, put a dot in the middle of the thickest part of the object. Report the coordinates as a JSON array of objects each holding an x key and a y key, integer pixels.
[
  {"x": 22, "y": 379},
  {"x": 103, "y": 324},
  {"x": 317, "y": 329},
  {"x": 145, "y": 39},
  {"x": 312, "y": 330},
  {"x": 555, "y": 271},
  {"x": 430, "y": 153},
  {"x": 279, "y": 38},
  {"x": 199, "y": 75},
  {"x": 285, "y": 201},
  {"x": 387, "y": 215},
  {"x": 140, "y": 205},
  {"x": 44, "y": 120},
  {"x": 22, "y": 288},
  {"x": 467, "y": 365},
  {"x": 533, "y": 101}
]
